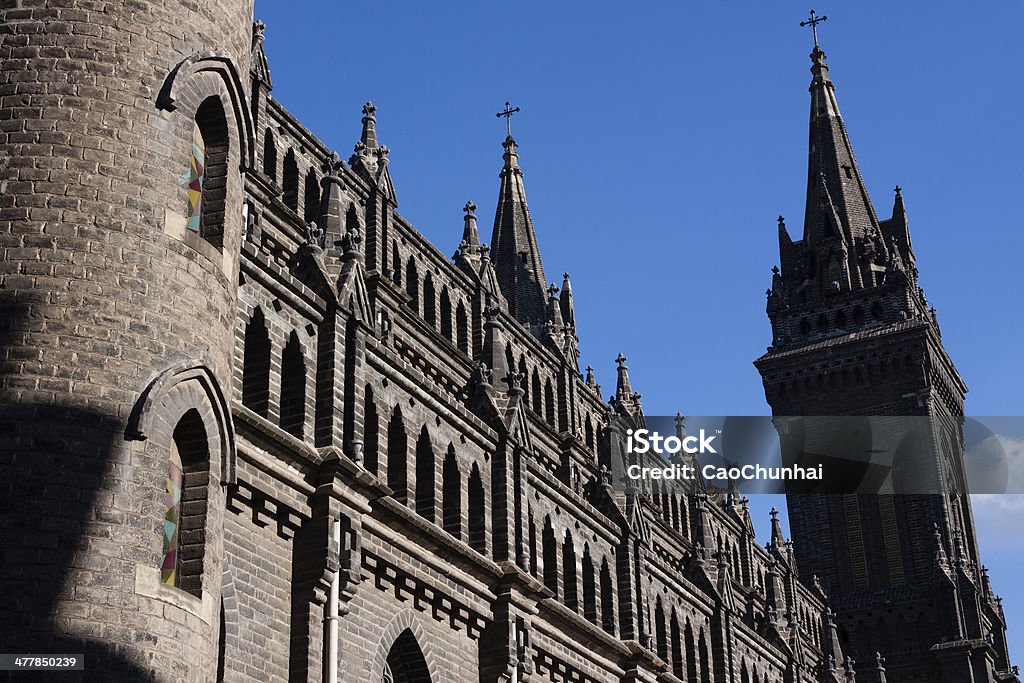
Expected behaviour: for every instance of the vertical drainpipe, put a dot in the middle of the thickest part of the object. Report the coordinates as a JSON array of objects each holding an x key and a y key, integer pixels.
[{"x": 332, "y": 614}]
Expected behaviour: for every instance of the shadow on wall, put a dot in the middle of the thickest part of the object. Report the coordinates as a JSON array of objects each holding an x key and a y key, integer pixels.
[{"x": 52, "y": 462}]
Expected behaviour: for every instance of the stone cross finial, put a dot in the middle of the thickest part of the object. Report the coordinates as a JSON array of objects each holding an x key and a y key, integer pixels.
[
  {"x": 333, "y": 164},
  {"x": 813, "y": 22},
  {"x": 774, "y": 512},
  {"x": 470, "y": 208},
  {"x": 369, "y": 110},
  {"x": 313, "y": 234},
  {"x": 258, "y": 31},
  {"x": 552, "y": 291},
  {"x": 507, "y": 113},
  {"x": 898, "y": 190},
  {"x": 621, "y": 360}
]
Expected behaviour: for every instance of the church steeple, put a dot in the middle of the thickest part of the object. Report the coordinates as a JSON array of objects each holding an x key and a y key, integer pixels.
[
  {"x": 514, "y": 245},
  {"x": 839, "y": 215}
]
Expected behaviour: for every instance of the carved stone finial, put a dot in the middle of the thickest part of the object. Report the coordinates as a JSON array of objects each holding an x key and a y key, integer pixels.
[
  {"x": 369, "y": 109},
  {"x": 470, "y": 208},
  {"x": 258, "y": 31},
  {"x": 333, "y": 164},
  {"x": 774, "y": 513},
  {"x": 621, "y": 360}
]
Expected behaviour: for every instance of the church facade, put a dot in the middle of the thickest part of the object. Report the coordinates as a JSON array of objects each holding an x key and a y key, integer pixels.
[{"x": 257, "y": 427}]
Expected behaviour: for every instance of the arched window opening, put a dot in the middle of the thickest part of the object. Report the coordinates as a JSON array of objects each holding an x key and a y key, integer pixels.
[
  {"x": 805, "y": 326},
  {"x": 293, "y": 388},
  {"x": 876, "y": 311},
  {"x": 661, "y": 636},
  {"x": 550, "y": 557},
  {"x": 256, "y": 366},
  {"x": 425, "y": 476},
  {"x": 569, "y": 573},
  {"x": 691, "y": 652},
  {"x": 676, "y": 642},
  {"x": 858, "y": 315},
  {"x": 675, "y": 513},
  {"x": 412, "y": 285},
  {"x": 535, "y": 399},
  {"x": 589, "y": 587},
  {"x": 549, "y": 403},
  {"x": 311, "y": 202},
  {"x": 532, "y": 540},
  {"x": 451, "y": 494},
  {"x": 405, "y": 661},
  {"x": 462, "y": 328},
  {"x": 396, "y": 264},
  {"x": 290, "y": 181},
  {"x": 822, "y": 323},
  {"x": 185, "y": 502},
  {"x": 269, "y": 155},
  {"x": 398, "y": 476},
  {"x": 446, "y": 315},
  {"x": 477, "y": 512},
  {"x": 841, "y": 319},
  {"x": 607, "y": 599},
  {"x": 589, "y": 429},
  {"x": 207, "y": 173},
  {"x": 222, "y": 638},
  {"x": 371, "y": 432},
  {"x": 705, "y": 657},
  {"x": 429, "y": 301}
]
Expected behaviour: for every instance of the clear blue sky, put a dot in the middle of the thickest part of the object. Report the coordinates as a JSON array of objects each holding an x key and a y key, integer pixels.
[{"x": 660, "y": 141}]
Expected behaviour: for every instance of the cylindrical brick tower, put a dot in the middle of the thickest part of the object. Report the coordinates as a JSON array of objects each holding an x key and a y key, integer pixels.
[{"x": 124, "y": 135}]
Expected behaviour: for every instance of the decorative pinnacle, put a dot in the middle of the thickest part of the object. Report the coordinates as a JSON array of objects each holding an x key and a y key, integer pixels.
[
  {"x": 470, "y": 208},
  {"x": 898, "y": 190},
  {"x": 258, "y": 31},
  {"x": 774, "y": 512},
  {"x": 813, "y": 22},
  {"x": 369, "y": 109},
  {"x": 782, "y": 221},
  {"x": 552, "y": 291},
  {"x": 507, "y": 113},
  {"x": 621, "y": 360}
]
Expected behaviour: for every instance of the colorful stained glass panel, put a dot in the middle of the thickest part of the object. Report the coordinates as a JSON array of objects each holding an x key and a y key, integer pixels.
[
  {"x": 194, "y": 182},
  {"x": 172, "y": 519}
]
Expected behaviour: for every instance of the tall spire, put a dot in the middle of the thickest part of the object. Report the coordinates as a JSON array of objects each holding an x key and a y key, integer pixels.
[
  {"x": 371, "y": 158},
  {"x": 831, "y": 159},
  {"x": 514, "y": 245}
]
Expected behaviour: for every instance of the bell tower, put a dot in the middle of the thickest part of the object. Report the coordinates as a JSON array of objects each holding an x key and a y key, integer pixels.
[
  {"x": 853, "y": 335},
  {"x": 122, "y": 164}
]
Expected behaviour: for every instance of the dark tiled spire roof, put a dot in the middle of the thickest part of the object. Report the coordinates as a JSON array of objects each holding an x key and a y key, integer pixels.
[{"x": 514, "y": 245}]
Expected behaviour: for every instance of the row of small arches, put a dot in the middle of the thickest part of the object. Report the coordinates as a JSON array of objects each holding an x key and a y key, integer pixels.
[{"x": 839, "y": 320}]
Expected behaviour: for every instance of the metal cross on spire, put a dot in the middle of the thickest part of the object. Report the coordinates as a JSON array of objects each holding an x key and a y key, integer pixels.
[
  {"x": 509, "y": 110},
  {"x": 813, "y": 22}
]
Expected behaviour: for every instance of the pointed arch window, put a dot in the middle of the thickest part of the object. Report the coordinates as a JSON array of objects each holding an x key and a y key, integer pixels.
[
  {"x": 290, "y": 181},
  {"x": 185, "y": 504},
  {"x": 269, "y": 155},
  {"x": 676, "y": 642},
  {"x": 462, "y": 328},
  {"x": 661, "y": 636},
  {"x": 535, "y": 389},
  {"x": 371, "y": 432},
  {"x": 425, "y": 476},
  {"x": 607, "y": 598},
  {"x": 311, "y": 201},
  {"x": 396, "y": 264},
  {"x": 397, "y": 455},
  {"x": 549, "y": 403},
  {"x": 293, "y": 388},
  {"x": 405, "y": 662},
  {"x": 532, "y": 542},
  {"x": 589, "y": 587},
  {"x": 412, "y": 285},
  {"x": 550, "y": 557},
  {"x": 569, "y": 579},
  {"x": 477, "y": 511},
  {"x": 451, "y": 494},
  {"x": 206, "y": 177},
  {"x": 446, "y": 314},
  {"x": 256, "y": 365},
  {"x": 429, "y": 301}
]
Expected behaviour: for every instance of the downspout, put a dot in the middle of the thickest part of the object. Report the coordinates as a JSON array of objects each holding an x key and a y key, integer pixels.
[{"x": 332, "y": 614}]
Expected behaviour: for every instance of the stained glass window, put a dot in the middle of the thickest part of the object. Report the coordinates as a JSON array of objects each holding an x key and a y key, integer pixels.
[
  {"x": 172, "y": 518},
  {"x": 196, "y": 175}
]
